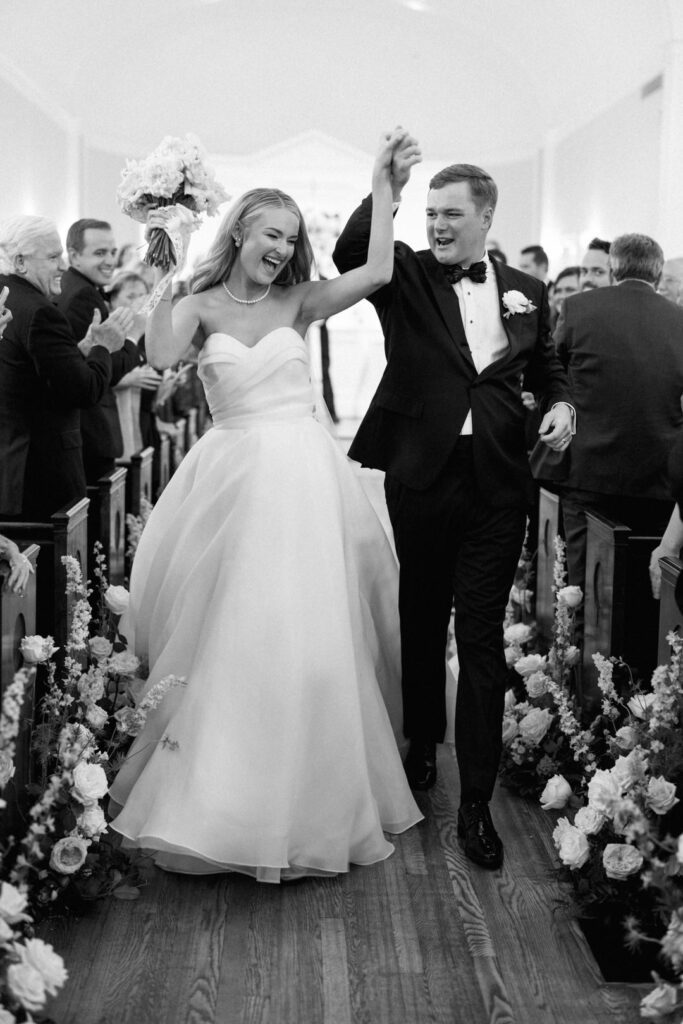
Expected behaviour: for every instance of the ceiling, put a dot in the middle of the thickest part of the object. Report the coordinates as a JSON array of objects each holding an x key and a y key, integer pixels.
[{"x": 482, "y": 80}]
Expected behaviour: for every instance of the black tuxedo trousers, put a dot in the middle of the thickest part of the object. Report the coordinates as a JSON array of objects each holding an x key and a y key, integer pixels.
[{"x": 455, "y": 547}]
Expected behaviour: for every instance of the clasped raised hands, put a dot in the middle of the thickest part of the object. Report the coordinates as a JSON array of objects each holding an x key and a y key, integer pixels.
[{"x": 398, "y": 153}]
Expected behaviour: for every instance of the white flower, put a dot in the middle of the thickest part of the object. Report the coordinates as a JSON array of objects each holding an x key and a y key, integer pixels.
[
  {"x": 96, "y": 716},
  {"x": 661, "y": 795},
  {"x": 556, "y": 793},
  {"x": 574, "y": 848},
  {"x": 516, "y": 302},
  {"x": 90, "y": 782},
  {"x": 603, "y": 791},
  {"x": 100, "y": 647},
  {"x": 563, "y": 825},
  {"x": 12, "y": 904},
  {"x": 626, "y": 737},
  {"x": 68, "y": 854},
  {"x": 518, "y": 633},
  {"x": 535, "y": 725},
  {"x": 620, "y": 860},
  {"x": 91, "y": 685},
  {"x": 6, "y": 935},
  {"x": 510, "y": 699},
  {"x": 536, "y": 684},
  {"x": 629, "y": 769},
  {"x": 41, "y": 956},
  {"x": 659, "y": 1002},
  {"x": 572, "y": 655},
  {"x": 570, "y": 596},
  {"x": 6, "y": 1017},
  {"x": 589, "y": 819},
  {"x": 92, "y": 821},
  {"x": 37, "y": 649},
  {"x": 679, "y": 851},
  {"x": 512, "y": 654},
  {"x": 7, "y": 768},
  {"x": 124, "y": 664},
  {"x": 530, "y": 663},
  {"x": 27, "y": 986},
  {"x": 639, "y": 704},
  {"x": 74, "y": 740},
  {"x": 672, "y": 943},
  {"x": 510, "y": 729},
  {"x": 116, "y": 599}
]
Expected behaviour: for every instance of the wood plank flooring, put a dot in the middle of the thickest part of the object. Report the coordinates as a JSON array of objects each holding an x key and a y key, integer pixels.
[{"x": 423, "y": 938}]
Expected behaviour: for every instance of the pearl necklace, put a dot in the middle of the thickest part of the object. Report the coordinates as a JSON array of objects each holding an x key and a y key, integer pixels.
[{"x": 245, "y": 302}]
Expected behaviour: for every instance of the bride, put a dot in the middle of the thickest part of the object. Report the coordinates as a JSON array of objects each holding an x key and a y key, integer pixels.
[{"x": 265, "y": 579}]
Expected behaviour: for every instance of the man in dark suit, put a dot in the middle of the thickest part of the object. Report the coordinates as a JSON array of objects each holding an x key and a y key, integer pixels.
[
  {"x": 447, "y": 426},
  {"x": 91, "y": 249},
  {"x": 622, "y": 347},
  {"x": 44, "y": 378}
]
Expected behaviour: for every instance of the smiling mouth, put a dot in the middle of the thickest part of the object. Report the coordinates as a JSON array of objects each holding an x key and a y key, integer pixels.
[
  {"x": 441, "y": 243},
  {"x": 271, "y": 263}
]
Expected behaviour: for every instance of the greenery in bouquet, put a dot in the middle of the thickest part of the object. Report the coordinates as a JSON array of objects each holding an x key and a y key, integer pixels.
[
  {"x": 174, "y": 174},
  {"x": 66, "y": 857}
]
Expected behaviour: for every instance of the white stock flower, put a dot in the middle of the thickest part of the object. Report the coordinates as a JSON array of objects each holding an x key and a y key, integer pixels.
[
  {"x": 661, "y": 795},
  {"x": 572, "y": 655},
  {"x": 518, "y": 633},
  {"x": 7, "y": 768},
  {"x": 116, "y": 599},
  {"x": 556, "y": 793},
  {"x": 574, "y": 848},
  {"x": 621, "y": 860},
  {"x": 74, "y": 740},
  {"x": 12, "y": 904},
  {"x": 658, "y": 1003},
  {"x": 530, "y": 663},
  {"x": 92, "y": 821},
  {"x": 536, "y": 685},
  {"x": 626, "y": 737},
  {"x": 589, "y": 819},
  {"x": 37, "y": 649},
  {"x": 41, "y": 956},
  {"x": 91, "y": 685},
  {"x": 68, "y": 854},
  {"x": 603, "y": 791},
  {"x": 90, "y": 783},
  {"x": 571, "y": 597},
  {"x": 535, "y": 725},
  {"x": 27, "y": 986},
  {"x": 639, "y": 704}
]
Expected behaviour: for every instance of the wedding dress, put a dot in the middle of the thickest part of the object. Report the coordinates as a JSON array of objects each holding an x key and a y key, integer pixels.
[{"x": 265, "y": 578}]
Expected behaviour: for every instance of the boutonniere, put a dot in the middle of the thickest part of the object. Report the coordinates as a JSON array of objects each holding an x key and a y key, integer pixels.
[{"x": 516, "y": 302}]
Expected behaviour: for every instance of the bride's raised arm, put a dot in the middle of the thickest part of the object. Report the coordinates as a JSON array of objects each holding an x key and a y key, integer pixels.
[
  {"x": 170, "y": 329},
  {"x": 321, "y": 299}
]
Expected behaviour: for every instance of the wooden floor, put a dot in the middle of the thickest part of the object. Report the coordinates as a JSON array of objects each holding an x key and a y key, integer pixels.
[{"x": 423, "y": 937}]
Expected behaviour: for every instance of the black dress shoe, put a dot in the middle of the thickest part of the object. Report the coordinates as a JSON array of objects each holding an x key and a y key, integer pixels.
[
  {"x": 480, "y": 840},
  {"x": 420, "y": 764}
]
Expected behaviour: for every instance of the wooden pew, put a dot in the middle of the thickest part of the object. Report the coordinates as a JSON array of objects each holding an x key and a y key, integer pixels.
[
  {"x": 548, "y": 529},
  {"x": 65, "y": 534},
  {"x": 106, "y": 521},
  {"x": 191, "y": 435},
  {"x": 17, "y": 620},
  {"x": 621, "y": 616},
  {"x": 161, "y": 465},
  {"x": 139, "y": 479},
  {"x": 670, "y": 615}
]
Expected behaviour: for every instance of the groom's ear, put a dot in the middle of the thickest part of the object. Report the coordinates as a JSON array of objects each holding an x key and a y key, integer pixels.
[{"x": 487, "y": 217}]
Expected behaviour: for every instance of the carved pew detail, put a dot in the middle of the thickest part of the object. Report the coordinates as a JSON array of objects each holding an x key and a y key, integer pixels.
[
  {"x": 106, "y": 521},
  {"x": 548, "y": 528}
]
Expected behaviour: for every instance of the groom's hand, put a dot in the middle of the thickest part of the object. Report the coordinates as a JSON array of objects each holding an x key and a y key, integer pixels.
[
  {"x": 557, "y": 427},
  {"x": 405, "y": 156}
]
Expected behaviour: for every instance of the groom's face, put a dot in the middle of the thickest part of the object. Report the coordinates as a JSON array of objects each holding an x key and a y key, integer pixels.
[{"x": 456, "y": 228}]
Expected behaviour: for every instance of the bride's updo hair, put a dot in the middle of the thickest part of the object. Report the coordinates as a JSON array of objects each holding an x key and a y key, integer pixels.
[{"x": 218, "y": 262}]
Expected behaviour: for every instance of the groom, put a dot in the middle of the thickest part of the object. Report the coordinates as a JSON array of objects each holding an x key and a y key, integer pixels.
[{"x": 447, "y": 426}]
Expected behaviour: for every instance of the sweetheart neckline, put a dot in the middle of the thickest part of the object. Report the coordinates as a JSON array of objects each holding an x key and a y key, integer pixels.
[{"x": 225, "y": 334}]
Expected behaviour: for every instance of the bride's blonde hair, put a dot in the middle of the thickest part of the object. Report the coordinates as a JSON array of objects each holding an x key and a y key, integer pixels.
[{"x": 218, "y": 262}]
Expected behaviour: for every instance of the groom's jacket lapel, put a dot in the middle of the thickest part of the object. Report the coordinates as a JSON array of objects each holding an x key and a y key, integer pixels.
[{"x": 447, "y": 304}]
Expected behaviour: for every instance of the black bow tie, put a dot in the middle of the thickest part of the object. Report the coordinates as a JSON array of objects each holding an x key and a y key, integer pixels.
[{"x": 454, "y": 272}]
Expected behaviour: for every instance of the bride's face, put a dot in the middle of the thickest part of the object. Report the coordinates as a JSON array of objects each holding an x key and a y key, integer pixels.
[{"x": 268, "y": 243}]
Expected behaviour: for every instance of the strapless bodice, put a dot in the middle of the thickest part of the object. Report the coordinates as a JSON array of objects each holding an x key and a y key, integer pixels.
[{"x": 266, "y": 382}]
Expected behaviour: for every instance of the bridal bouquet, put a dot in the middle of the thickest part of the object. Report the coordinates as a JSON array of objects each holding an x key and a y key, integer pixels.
[{"x": 174, "y": 174}]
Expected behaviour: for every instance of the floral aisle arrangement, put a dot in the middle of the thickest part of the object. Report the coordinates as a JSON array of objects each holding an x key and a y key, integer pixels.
[
  {"x": 66, "y": 856},
  {"x": 134, "y": 527}
]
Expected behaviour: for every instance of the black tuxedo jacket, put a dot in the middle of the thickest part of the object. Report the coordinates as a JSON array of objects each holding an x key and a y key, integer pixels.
[
  {"x": 44, "y": 381},
  {"x": 430, "y": 382},
  {"x": 623, "y": 350},
  {"x": 100, "y": 424}
]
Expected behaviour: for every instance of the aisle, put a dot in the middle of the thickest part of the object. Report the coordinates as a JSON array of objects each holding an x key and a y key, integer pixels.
[{"x": 421, "y": 939}]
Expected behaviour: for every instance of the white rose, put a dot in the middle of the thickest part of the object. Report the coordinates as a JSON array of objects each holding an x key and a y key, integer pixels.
[
  {"x": 90, "y": 782},
  {"x": 7, "y": 768},
  {"x": 92, "y": 821},
  {"x": 536, "y": 685},
  {"x": 535, "y": 725},
  {"x": 574, "y": 848},
  {"x": 639, "y": 704},
  {"x": 556, "y": 793},
  {"x": 42, "y": 958},
  {"x": 6, "y": 1017},
  {"x": 116, "y": 599},
  {"x": 516, "y": 302},
  {"x": 621, "y": 860},
  {"x": 629, "y": 769},
  {"x": 36, "y": 649},
  {"x": 6, "y": 934},
  {"x": 661, "y": 795},
  {"x": 510, "y": 699},
  {"x": 659, "y": 1002},
  {"x": 100, "y": 647},
  {"x": 68, "y": 854},
  {"x": 572, "y": 655},
  {"x": 512, "y": 654},
  {"x": 570, "y": 596},
  {"x": 603, "y": 791},
  {"x": 518, "y": 633},
  {"x": 510, "y": 728},
  {"x": 74, "y": 740},
  {"x": 626, "y": 737},
  {"x": 12, "y": 904},
  {"x": 562, "y": 825},
  {"x": 26, "y": 985},
  {"x": 124, "y": 664},
  {"x": 96, "y": 716},
  {"x": 530, "y": 663},
  {"x": 589, "y": 820},
  {"x": 91, "y": 685}
]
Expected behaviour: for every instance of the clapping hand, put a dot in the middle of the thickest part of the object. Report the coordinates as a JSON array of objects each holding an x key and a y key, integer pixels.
[
  {"x": 5, "y": 314},
  {"x": 112, "y": 333}
]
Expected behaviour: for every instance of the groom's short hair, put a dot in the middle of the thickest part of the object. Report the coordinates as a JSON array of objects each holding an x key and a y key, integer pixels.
[{"x": 482, "y": 186}]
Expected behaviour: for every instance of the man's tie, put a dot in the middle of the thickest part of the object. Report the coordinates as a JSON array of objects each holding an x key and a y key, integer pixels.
[{"x": 454, "y": 272}]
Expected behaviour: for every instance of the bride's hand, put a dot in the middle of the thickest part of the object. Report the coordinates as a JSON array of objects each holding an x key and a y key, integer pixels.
[
  {"x": 171, "y": 218},
  {"x": 398, "y": 152}
]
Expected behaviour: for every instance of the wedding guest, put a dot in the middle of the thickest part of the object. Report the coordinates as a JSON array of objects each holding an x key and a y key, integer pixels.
[
  {"x": 596, "y": 271},
  {"x": 623, "y": 350},
  {"x": 44, "y": 379},
  {"x": 567, "y": 282},
  {"x": 671, "y": 282},
  {"x": 447, "y": 426},
  {"x": 534, "y": 261},
  {"x": 19, "y": 566},
  {"x": 91, "y": 249},
  {"x": 5, "y": 313}
]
